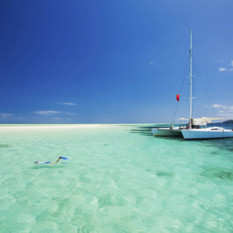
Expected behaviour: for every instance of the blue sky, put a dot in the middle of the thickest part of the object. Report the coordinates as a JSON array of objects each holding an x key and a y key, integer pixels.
[{"x": 113, "y": 61}]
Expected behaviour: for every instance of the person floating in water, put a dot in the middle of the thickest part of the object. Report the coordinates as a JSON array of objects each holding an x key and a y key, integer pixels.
[{"x": 60, "y": 157}]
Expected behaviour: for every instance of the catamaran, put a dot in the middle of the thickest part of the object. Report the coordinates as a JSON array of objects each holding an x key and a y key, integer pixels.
[{"x": 197, "y": 127}]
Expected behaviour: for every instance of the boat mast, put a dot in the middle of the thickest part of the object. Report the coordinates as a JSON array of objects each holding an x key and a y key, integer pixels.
[{"x": 190, "y": 79}]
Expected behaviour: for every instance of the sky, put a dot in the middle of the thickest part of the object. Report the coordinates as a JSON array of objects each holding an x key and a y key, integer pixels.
[{"x": 111, "y": 61}]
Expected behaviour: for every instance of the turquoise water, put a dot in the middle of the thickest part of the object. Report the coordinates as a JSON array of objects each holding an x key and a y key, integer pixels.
[{"x": 119, "y": 178}]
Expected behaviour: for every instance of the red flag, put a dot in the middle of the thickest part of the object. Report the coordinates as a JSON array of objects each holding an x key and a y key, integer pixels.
[{"x": 178, "y": 97}]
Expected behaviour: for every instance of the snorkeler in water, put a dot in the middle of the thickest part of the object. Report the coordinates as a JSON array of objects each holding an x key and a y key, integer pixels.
[{"x": 60, "y": 157}]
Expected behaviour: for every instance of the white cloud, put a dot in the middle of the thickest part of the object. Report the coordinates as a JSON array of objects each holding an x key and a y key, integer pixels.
[
  {"x": 67, "y": 103},
  {"x": 58, "y": 118},
  {"x": 220, "y": 106},
  {"x": 6, "y": 115},
  {"x": 229, "y": 67},
  {"x": 225, "y": 111},
  {"x": 49, "y": 112},
  {"x": 223, "y": 107},
  {"x": 223, "y": 69}
]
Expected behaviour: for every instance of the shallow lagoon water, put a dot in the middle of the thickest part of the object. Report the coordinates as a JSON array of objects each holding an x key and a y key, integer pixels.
[{"x": 119, "y": 178}]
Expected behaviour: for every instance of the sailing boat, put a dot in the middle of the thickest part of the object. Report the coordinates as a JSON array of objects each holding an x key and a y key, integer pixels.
[{"x": 195, "y": 129}]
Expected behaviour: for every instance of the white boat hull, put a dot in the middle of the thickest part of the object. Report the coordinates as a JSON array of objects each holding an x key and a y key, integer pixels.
[
  {"x": 208, "y": 133},
  {"x": 167, "y": 132}
]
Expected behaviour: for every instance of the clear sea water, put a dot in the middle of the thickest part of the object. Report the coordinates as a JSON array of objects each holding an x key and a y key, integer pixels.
[{"x": 119, "y": 178}]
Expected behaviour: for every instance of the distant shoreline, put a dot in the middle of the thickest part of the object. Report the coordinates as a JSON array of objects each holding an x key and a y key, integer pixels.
[
  {"x": 48, "y": 125},
  {"x": 59, "y": 126}
]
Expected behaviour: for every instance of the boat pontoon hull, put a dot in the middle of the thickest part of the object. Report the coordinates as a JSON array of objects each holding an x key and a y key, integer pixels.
[
  {"x": 167, "y": 132},
  {"x": 207, "y": 133}
]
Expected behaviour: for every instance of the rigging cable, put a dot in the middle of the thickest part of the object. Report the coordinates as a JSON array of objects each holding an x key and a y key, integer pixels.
[
  {"x": 181, "y": 90},
  {"x": 205, "y": 88}
]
